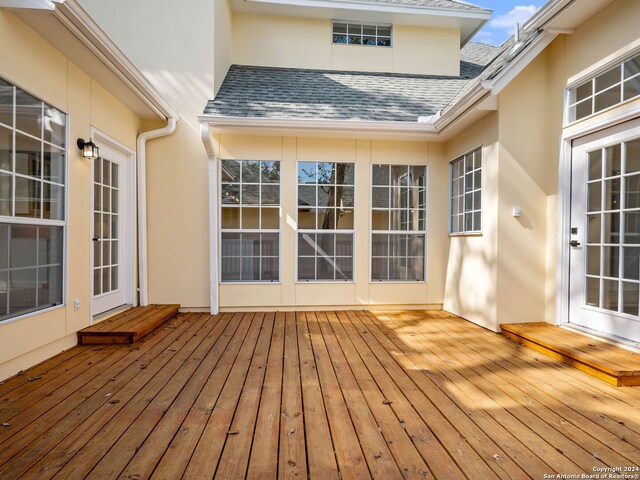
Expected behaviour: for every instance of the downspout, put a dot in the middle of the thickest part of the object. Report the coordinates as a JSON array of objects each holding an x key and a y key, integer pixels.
[{"x": 143, "y": 277}]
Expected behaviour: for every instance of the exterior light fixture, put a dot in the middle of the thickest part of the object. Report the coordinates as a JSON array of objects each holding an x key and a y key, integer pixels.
[{"x": 89, "y": 149}]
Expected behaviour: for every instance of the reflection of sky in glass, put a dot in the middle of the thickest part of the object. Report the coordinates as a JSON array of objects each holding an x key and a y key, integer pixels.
[{"x": 307, "y": 172}]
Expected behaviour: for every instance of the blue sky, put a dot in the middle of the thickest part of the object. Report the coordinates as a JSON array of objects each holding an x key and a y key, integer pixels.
[{"x": 505, "y": 14}]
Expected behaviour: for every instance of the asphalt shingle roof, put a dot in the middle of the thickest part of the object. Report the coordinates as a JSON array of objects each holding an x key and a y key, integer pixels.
[{"x": 268, "y": 92}]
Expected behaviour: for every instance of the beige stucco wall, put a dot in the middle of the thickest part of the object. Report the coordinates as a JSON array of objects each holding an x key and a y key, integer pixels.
[
  {"x": 277, "y": 41},
  {"x": 34, "y": 65},
  {"x": 471, "y": 274},
  {"x": 221, "y": 42},
  {"x": 360, "y": 292},
  {"x": 517, "y": 279}
]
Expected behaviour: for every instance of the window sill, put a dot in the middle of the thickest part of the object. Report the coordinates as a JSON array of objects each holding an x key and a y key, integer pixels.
[
  {"x": 466, "y": 234},
  {"x": 249, "y": 283},
  {"x": 31, "y": 314},
  {"x": 333, "y": 282},
  {"x": 397, "y": 282}
]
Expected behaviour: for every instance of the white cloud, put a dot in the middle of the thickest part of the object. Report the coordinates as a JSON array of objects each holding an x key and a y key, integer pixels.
[{"x": 518, "y": 14}]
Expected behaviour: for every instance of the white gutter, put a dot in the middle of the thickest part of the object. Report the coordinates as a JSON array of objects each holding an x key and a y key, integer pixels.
[
  {"x": 141, "y": 144},
  {"x": 304, "y": 125}
]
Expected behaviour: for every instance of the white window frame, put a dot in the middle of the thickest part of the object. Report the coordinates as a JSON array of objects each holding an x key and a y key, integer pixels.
[
  {"x": 591, "y": 77},
  {"x": 398, "y": 232},
  {"x": 13, "y": 220},
  {"x": 463, "y": 158},
  {"x": 362, "y": 35},
  {"x": 240, "y": 230},
  {"x": 334, "y": 231}
]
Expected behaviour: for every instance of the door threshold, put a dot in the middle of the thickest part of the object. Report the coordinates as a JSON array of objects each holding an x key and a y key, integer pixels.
[
  {"x": 604, "y": 337},
  {"x": 110, "y": 313}
]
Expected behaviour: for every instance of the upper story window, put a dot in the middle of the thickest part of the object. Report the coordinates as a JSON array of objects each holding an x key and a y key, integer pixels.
[
  {"x": 361, "y": 34},
  {"x": 398, "y": 222},
  {"x": 466, "y": 193},
  {"x": 326, "y": 193},
  {"x": 32, "y": 202},
  {"x": 250, "y": 221},
  {"x": 616, "y": 85}
]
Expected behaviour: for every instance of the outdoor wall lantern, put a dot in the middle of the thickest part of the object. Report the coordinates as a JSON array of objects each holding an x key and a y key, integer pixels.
[{"x": 89, "y": 149}]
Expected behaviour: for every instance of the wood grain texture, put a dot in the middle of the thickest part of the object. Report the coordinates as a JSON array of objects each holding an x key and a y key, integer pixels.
[{"x": 319, "y": 395}]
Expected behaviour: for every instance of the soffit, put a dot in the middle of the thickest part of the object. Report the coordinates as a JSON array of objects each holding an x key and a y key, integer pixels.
[{"x": 49, "y": 26}]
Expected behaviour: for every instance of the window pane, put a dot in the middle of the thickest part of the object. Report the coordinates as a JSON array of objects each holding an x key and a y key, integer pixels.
[
  {"x": 28, "y": 113},
  {"x": 631, "y": 263},
  {"x": 593, "y": 292},
  {"x": 631, "y": 67},
  {"x": 23, "y": 246},
  {"x": 270, "y": 269},
  {"x": 306, "y": 268},
  {"x": 630, "y": 292},
  {"x": 6, "y": 197},
  {"x": 355, "y": 40},
  {"x": 230, "y": 170},
  {"x": 27, "y": 197},
  {"x": 613, "y": 160},
  {"x": 54, "y": 126},
  {"x": 633, "y": 156},
  {"x": 595, "y": 165},
  {"x": 53, "y": 164},
  {"x": 380, "y": 197},
  {"x": 369, "y": 30},
  {"x": 270, "y": 194},
  {"x": 4, "y": 251},
  {"x": 230, "y": 244},
  {"x": 345, "y": 219},
  {"x": 584, "y": 91},
  {"x": 306, "y": 218},
  {"x": 632, "y": 191},
  {"x": 270, "y": 218},
  {"x": 6, "y": 149},
  {"x": 27, "y": 156},
  {"x": 631, "y": 88},
  {"x": 380, "y": 174},
  {"x": 230, "y": 194},
  {"x": 326, "y": 173},
  {"x": 369, "y": 41},
  {"x": 53, "y": 202},
  {"x": 306, "y": 195},
  {"x": 608, "y": 79},
  {"x": 610, "y": 295},
  {"x": 607, "y": 99},
  {"x": 230, "y": 218},
  {"x": 326, "y": 219},
  {"x": 250, "y": 194},
  {"x": 339, "y": 28},
  {"x": 355, "y": 29},
  {"x": 384, "y": 31},
  {"x": 22, "y": 291},
  {"x": 339, "y": 38},
  {"x": 306, "y": 172},
  {"x": 6, "y": 108},
  {"x": 379, "y": 269},
  {"x": 270, "y": 172},
  {"x": 250, "y": 172},
  {"x": 250, "y": 218},
  {"x": 384, "y": 42}
]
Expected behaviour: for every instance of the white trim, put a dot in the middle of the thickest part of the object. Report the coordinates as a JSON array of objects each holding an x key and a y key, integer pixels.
[
  {"x": 588, "y": 126},
  {"x": 481, "y": 14},
  {"x": 127, "y": 205},
  {"x": 515, "y": 66},
  {"x": 87, "y": 31},
  {"x": 619, "y": 56},
  {"x": 214, "y": 293}
]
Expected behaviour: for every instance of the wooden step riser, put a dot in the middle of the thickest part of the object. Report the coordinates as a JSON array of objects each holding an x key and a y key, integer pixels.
[{"x": 618, "y": 381}]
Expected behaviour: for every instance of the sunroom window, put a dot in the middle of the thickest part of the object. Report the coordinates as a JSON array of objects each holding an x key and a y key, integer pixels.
[
  {"x": 466, "y": 193},
  {"x": 349, "y": 33},
  {"x": 250, "y": 221},
  {"x": 398, "y": 222},
  {"x": 614, "y": 86},
  {"x": 325, "y": 221},
  {"x": 32, "y": 206}
]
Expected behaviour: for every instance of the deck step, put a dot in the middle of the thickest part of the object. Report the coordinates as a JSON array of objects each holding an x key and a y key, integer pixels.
[
  {"x": 602, "y": 360},
  {"x": 128, "y": 326}
]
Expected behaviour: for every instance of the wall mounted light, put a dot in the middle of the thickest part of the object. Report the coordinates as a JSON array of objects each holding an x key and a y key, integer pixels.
[{"x": 89, "y": 149}]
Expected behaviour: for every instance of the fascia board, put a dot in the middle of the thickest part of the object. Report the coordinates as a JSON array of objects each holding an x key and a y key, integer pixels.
[
  {"x": 339, "y": 127},
  {"x": 483, "y": 14},
  {"x": 83, "y": 27},
  {"x": 515, "y": 67}
]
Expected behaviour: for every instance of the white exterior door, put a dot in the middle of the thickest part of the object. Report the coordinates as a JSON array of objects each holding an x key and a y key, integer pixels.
[
  {"x": 605, "y": 232},
  {"x": 111, "y": 240}
]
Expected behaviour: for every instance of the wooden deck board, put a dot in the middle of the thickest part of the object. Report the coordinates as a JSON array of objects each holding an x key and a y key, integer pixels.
[
  {"x": 313, "y": 394},
  {"x": 607, "y": 362},
  {"x": 128, "y": 326}
]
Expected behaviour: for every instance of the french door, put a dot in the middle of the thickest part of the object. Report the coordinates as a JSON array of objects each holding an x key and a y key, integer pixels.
[
  {"x": 604, "y": 283},
  {"x": 111, "y": 232}
]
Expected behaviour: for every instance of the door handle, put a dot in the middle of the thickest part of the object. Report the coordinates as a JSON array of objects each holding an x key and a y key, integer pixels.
[{"x": 574, "y": 243}]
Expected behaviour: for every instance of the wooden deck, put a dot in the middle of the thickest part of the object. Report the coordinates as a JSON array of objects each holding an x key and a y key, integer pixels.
[
  {"x": 319, "y": 395},
  {"x": 607, "y": 362},
  {"x": 128, "y": 326}
]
